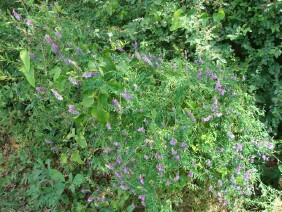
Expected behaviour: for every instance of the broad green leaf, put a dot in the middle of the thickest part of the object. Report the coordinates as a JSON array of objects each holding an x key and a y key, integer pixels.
[
  {"x": 78, "y": 179},
  {"x": 56, "y": 175},
  {"x": 75, "y": 157},
  {"x": 100, "y": 114},
  {"x": 63, "y": 158},
  {"x": 217, "y": 17},
  {"x": 29, "y": 75},
  {"x": 56, "y": 73},
  {"x": 177, "y": 13},
  {"x": 107, "y": 63},
  {"x": 176, "y": 24},
  {"x": 81, "y": 140},
  {"x": 26, "y": 59},
  {"x": 204, "y": 15},
  {"x": 193, "y": 11},
  {"x": 103, "y": 98},
  {"x": 80, "y": 119},
  {"x": 87, "y": 101}
]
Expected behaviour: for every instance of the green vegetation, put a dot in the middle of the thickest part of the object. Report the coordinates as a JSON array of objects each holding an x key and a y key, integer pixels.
[{"x": 140, "y": 105}]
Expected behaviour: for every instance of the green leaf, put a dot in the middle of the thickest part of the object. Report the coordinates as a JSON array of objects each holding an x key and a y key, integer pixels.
[
  {"x": 56, "y": 175},
  {"x": 100, "y": 114},
  {"x": 217, "y": 17},
  {"x": 78, "y": 179},
  {"x": 103, "y": 98},
  {"x": 63, "y": 158},
  {"x": 193, "y": 11},
  {"x": 75, "y": 157},
  {"x": 56, "y": 72},
  {"x": 87, "y": 101},
  {"x": 204, "y": 15},
  {"x": 26, "y": 59},
  {"x": 29, "y": 75},
  {"x": 177, "y": 13},
  {"x": 81, "y": 140}
]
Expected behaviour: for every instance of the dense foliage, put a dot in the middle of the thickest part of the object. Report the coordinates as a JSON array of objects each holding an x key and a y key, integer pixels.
[{"x": 127, "y": 105}]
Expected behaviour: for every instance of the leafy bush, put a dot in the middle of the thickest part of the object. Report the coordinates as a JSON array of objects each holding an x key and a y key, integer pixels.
[{"x": 101, "y": 127}]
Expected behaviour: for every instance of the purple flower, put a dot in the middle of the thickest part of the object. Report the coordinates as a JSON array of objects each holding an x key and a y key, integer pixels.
[
  {"x": 110, "y": 166},
  {"x": 160, "y": 167},
  {"x": 183, "y": 144},
  {"x": 190, "y": 174},
  {"x": 31, "y": 55},
  {"x": 137, "y": 55},
  {"x": 29, "y": 23},
  {"x": 176, "y": 178},
  {"x": 116, "y": 144},
  {"x": 101, "y": 199},
  {"x": 48, "y": 39},
  {"x": 135, "y": 88},
  {"x": 206, "y": 119},
  {"x": 146, "y": 157},
  {"x": 220, "y": 183},
  {"x": 141, "y": 129},
  {"x": 17, "y": 15},
  {"x": 199, "y": 74},
  {"x": 90, "y": 199},
  {"x": 119, "y": 161},
  {"x": 214, "y": 108},
  {"x": 186, "y": 68},
  {"x": 116, "y": 104},
  {"x": 90, "y": 74},
  {"x": 167, "y": 183},
  {"x": 73, "y": 81},
  {"x": 72, "y": 110},
  {"x": 239, "y": 147},
  {"x": 108, "y": 126},
  {"x": 217, "y": 114},
  {"x": 135, "y": 45},
  {"x": 270, "y": 145},
  {"x": 200, "y": 61},
  {"x": 84, "y": 191},
  {"x": 231, "y": 135},
  {"x": 218, "y": 85},
  {"x": 58, "y": 35},
  {"x": 79, "y": 51},
  {"x": 57, "y": 95},
  {"x": 48, "y": 141},
  {"x": 209, "y": 163},
  {"x": 127, "y": 96},
  {"x": 173, "y": 142},
  {"x": 55, "y": 48},
  {"x": 215, "y": 101},
  {"x": 40, "y": 89},
  {"x": 141, "y": 179},
  {"x": 118, "y": 175},
  {"x": 234, "y": 94},
  {"x": 147, "y": 60},
  {"x": 120, "y": 49}
]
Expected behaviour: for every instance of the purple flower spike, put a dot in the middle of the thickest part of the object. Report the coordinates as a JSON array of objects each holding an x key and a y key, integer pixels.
[
  {"x": 116, "y": 104},
  {"x": 90, "y": 199},
  {"x": 147, "y": 60},
  {"x": 176, "y": 178},
  {"x": 141, "y": 129},
  {"x": 40, "y": 89},
  {"x": 135, "y": 45},
  {"x": 17, "y": 15},
  {"x": 72, "y": 110},
  {"x": 215, "y": 101},
  {"x": 141, "y": 179},
  {"x": 73, "y": 81},
  {"x": 160, "y": 167},
  {"x": 31, "y": 55},
  {"x": 48, "y": 39},
  {"x": 167, "y": 183},
  {"x": 206, "y": 119},
  {"x": 200, "y": 61},
  {"x": 55, "y": 48},
  {"x": 57, "y": 95},
  {"x": 173, "y": 142},
  {"x": 110, "y": 166},
  {"x": 90, "y": 74},
  {"x": 29, "y": 23},
  {"x": 190, "y": 174},
  {"x": 220, "y": 183},
  {"x": 48, "y": 141},
  {"x": 142, "y": 197},
  {"x": 146, "y": 157},
  {"x": 108, "y": 126},
  {"x": 127, "y": 96},
  {"x": 58, "y": 35}
]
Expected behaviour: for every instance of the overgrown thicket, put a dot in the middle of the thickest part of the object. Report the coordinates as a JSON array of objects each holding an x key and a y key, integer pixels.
[{"x": 140, "y": 105}]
